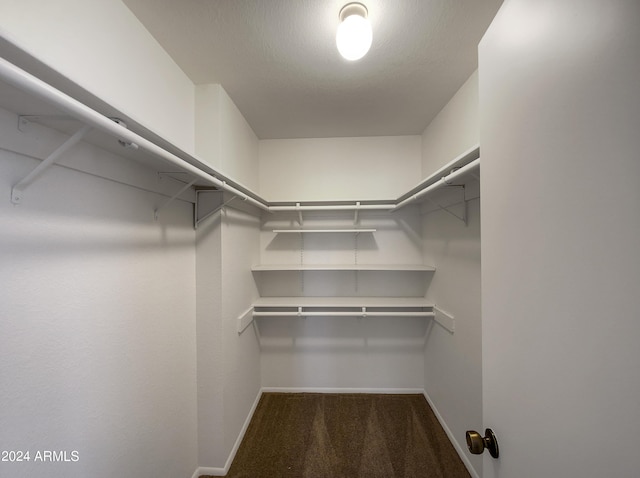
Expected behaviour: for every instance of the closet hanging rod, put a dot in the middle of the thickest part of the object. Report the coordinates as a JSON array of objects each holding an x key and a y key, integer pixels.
[
  {"x": 24, "y": 81},
  {"x": 335, "y": 207},
  {"x": 441, "y": 182},
  {"x": 367, "y": 313},
  {"x": 30, "y": 84}
]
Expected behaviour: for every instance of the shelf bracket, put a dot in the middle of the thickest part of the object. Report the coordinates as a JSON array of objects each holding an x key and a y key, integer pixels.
[
  {"x": 25, "y": 120},
  {"x": 462, "y": 218},
  {"x": 444, "y": 319},
  {"x": 245, "y": 320},
  {"x": 300, "y": 221},
  {"x": 171, "y": 199},
  {"x": 19, "y": 187},
  {"x": 209, "y": 208},
  {"x": 356, "y": 211}
]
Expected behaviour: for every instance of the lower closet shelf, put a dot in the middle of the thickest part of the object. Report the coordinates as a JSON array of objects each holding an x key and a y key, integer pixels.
[{"x": 336, "y": 307}]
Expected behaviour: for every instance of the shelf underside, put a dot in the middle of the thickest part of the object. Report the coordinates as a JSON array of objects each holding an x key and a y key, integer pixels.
[
  {"x": 305, "y": 231},
  {"x": 341, "y": 302},
  {"x": 343, "y": 267}
]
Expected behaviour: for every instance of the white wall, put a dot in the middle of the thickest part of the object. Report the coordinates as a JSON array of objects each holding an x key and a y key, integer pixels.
[
  {"x": 453, "y": 362},
  {"x": 224, "y": 139},
  {"x": 227, "y": 247},
  {"x": 228, "y": 363},
  {"x": 97, "y": 329},
  {"x": 211, "y": 448},
  {"x": 454, "y": 130},
  {"x": 560, "y": 115},
  {"x": 100, "y": 45},
  {"x": 241, "y": 360},
  {"x": 343, "y": 352},
  {"x": 338, "y": 168}
]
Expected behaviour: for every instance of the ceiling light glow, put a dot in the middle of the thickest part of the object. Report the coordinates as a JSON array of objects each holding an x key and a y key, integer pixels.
[{"x": 354, "y": 34}]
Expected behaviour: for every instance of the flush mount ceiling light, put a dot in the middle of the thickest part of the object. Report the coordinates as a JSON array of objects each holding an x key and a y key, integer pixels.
[{"x": 354, "y": 35}]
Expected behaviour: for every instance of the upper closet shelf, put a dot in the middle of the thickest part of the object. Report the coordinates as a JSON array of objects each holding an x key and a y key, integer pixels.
[
  {"x": 306, "y": 231},
  {"x": 20, "y": 89},
  {"x": 464, "y": 164},
  {"x": 327, "y": 303},
  {"x": 343, "y": 267}
]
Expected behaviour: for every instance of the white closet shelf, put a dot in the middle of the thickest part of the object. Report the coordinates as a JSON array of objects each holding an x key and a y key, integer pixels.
[
  {"x": 336, "y": 307},
  {"x": 345, "y": 307},
  {"x": 342, "y": 302},
  {"x": 19, "y": 90},
  {"x": 343, "y": 267},
  {"x": 462, "y": 160},
  {"x": 303, "y": 231}
]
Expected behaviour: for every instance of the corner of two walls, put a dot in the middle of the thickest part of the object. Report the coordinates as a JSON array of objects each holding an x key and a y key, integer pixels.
[
  {"x": 453, "y": 362},
  {"x": 227, "y": 247},
  {"x": 131, "y": 72},
  {"x": 223, "y": 138}
]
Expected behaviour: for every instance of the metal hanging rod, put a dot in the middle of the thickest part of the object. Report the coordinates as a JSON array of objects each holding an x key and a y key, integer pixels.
[
  {"x": 336, "y": 207},
  {"x": 24, "y": 81},
  {"x": 329, "y": 313},
  {"x": 444, "y": 181},
  {"x": 30, "y": 84}
]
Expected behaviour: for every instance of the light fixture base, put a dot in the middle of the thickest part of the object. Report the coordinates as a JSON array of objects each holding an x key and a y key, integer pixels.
[{"x": 353, "y": 8}]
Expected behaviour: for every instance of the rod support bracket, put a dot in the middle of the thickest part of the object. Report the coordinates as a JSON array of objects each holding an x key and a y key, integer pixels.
[
  {"x": 171, "y": 199},
  {"x": 23, "y": 122},
  {"x": 20, "y": 186},
  {"x": 300, "y": 220}
]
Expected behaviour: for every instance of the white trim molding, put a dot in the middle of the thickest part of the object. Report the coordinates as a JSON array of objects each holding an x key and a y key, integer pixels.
[
  {"x": 216, "y": 471},
  {"x": 204, "y": 470},
  {"x": 398, "y": 391},
  {"x": 452, "y": 438}
]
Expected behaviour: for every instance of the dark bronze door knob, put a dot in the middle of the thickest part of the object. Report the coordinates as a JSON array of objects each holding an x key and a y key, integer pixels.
[{"x": 478, "y": 443}]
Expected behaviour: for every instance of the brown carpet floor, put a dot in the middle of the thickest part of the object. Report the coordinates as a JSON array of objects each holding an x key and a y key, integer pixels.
[{"x": 309, "y": 435}]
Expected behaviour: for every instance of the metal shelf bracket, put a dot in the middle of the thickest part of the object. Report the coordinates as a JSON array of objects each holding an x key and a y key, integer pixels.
[
  {"x": 171, "y": 199},
  {"x": 446, "y": 209},
  {"x": 300, "y": 221},
  {"x": 245, "y": 320},
  {"x": 18, "y": 189},
  {"x": 205, "y": 209},
  {"x": 444, "y": 319}
]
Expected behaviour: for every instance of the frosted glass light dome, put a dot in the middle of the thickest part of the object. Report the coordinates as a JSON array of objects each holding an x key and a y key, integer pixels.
[{"x": 354, "y": 35}]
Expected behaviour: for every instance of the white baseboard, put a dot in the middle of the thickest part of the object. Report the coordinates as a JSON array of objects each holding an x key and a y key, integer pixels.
[
  {"x": 454, "y": 441},
  {"x": 419, "y": 391},
  {"x": 204, "y": 470},
  {"x": 243, "y": 430}
]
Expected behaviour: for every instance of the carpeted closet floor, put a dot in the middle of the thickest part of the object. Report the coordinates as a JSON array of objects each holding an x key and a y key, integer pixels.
[{"x": 345, "y": 436}]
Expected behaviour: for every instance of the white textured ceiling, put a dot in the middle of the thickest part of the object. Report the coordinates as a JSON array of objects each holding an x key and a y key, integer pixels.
[{"x": 278, "y": 61}]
